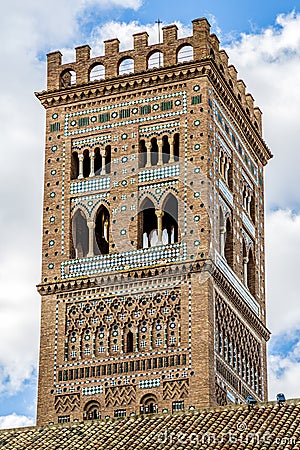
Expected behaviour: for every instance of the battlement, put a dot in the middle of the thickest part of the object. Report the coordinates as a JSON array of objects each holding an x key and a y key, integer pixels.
[{"x": 143, "y": 57}]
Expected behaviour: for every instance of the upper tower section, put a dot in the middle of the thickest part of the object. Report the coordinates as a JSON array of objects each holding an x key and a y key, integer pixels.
[{"x": 115, "y": 66}]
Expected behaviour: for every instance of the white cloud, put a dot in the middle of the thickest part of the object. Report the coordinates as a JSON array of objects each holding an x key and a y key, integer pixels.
[
  {"x": 283, "y": 262},
  {"x": 124, "y": 32},
  {"x": 284, "y": 374},
  {"x": 283, "y": 287},
  {"x": 269, "y": 63},
  {"x": 15, "y": 421}
]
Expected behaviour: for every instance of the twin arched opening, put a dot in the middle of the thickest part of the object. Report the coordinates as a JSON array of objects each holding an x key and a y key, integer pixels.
[
  {"x": 158, "y": 226},
  {"x": 90, "y": 238}
]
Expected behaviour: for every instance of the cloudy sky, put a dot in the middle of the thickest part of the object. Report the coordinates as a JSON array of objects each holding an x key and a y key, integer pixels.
[{"x": 263, "y": 42}]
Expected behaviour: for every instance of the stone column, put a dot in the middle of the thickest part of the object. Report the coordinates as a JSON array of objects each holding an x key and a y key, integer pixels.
[
  {"x": 80, "y": 158},
  {"x": 222, "y": 240},
  {"x": 148, "y": 155},
  {"x": 159, "y": 215},
  {"x": 105, "y": 229},
  {"x": 159, "y": 156},
  {"x": 245, "y": 199},
  {"x": 245, "y": 265},
  {"x": 103, "y": 168},
  {"x": 92, "y": 160},
  {"x": 226, "y": 171},
  {"x": 172, "y": 159},
  {"x": 223, "y": 166},
  {"x": 91, "y": 227},
  {"x": 249, "y": 203}
]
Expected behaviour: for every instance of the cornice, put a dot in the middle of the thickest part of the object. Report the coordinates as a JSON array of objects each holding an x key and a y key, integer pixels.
[{"x": 178, "y": 271}]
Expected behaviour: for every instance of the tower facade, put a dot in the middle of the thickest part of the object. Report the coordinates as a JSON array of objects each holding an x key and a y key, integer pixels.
[{"x": 153, "y": 294}]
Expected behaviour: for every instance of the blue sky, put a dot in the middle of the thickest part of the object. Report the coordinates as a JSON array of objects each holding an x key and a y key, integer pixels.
[{"x": 263, "y": 42}]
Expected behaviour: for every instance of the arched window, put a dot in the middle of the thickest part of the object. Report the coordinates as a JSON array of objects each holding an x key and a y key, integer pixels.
[
  {"x": 147, "y": 225},
  {"x": 101, "y": 245},
  {"x": 126, "y": 66},
  {"x": 67, "y": 78},
  {"x": 107, "y": 158},
  {"x": 74, "y": 166},
  {"x": 156, "y": 59},
  {"x": 80, "y": 235},
  {"x": 102, "y": 160},
  {"x": 154, "y": 152},
  {"x": 251, "y": 272},
  {"x": 142, "y": 153},
  {"x": 176, "y": 146},
  {"x": 186, "y": 53},
  {"x": 97, "y": 161},
  {"x": 165, "y": 149},
  {"x": 92, "y": 411},
  {"x": 148, "y": 404},
  {"x": 170, "y": 220},
  {"x": 86, "y": 164},
  {"x": 228, "y": 251},
  {"x": 97, "y": 72}
]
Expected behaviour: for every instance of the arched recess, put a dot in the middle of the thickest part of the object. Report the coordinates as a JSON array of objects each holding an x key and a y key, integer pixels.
[
  {"x": 97, "y": 72},
  {"x": 185, "y": 53},
  {"x": 251, "y": 272},
  {"x": 147, "y": 225},
  {"x": 228, "y": 251},
  {"x": 129, "y": 342},
  {"x": 80, "y": 234},
  {"x": 148, "y": 404},
  {"x": 126, "y": 65},
  {"x": 86, "y": 164},
  {"x": 252, "y": 208},
  {"x": 156, "y": 59},
  {"x": 102, "y": 224},
  {"x": 67, "y": 78},
  {"x": 170, "y": 220},
  {"x": 74, "y": 166},
  {"x": 92, "y": 410}
]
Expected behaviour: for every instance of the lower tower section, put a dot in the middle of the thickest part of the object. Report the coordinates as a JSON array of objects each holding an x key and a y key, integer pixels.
[{"x": 144, "y": 343}]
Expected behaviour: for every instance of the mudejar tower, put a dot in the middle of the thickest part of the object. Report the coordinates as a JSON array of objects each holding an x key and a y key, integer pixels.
[{"x": 153, "y": 289}]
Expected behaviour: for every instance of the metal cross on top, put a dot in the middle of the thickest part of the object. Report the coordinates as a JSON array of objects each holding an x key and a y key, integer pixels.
[{"x": 158, "y": 26}]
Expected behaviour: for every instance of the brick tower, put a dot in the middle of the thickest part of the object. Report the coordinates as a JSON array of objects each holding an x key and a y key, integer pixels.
[{"x": 153, "y": 292}]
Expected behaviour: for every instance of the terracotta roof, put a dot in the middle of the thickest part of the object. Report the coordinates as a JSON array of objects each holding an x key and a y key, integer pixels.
[{"x": 266, "y": 426}]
